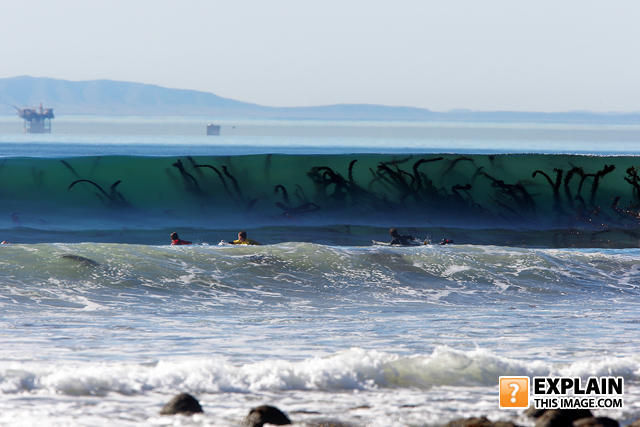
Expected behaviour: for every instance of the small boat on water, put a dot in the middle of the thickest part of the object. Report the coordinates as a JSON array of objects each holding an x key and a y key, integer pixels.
[{"x": 213, "y": 129}]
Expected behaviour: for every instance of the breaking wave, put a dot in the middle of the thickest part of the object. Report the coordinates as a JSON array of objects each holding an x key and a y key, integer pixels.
[
  {"x": 515, "y": 190},
  {"x": 354, "y": 369}
]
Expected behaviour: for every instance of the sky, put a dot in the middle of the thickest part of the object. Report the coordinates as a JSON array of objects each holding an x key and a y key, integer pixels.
[{"x": 487, "y": 55}]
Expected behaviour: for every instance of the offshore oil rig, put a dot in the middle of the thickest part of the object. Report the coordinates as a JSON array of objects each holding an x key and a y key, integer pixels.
[{"x": 36, "y": 120}]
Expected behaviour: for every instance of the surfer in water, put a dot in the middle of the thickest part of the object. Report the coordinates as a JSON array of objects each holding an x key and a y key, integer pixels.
[
  {"x": 242, "y": 240},
  {"x": 398, "y": 239},
  {"x": 176, "y": 240}
]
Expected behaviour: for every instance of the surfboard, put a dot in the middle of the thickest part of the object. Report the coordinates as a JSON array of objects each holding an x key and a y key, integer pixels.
[{"x": 413, "y": 243}]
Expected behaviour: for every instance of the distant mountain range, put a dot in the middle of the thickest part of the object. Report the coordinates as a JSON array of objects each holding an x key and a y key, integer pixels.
[{"x": 108, "y": 97}]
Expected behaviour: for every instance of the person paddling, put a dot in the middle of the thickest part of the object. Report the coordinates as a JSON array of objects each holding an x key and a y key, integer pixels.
[
  {"x": 176, "y": 240},
  {"x": 242, "y": 240},
  {"x": 398, "y": 239}
]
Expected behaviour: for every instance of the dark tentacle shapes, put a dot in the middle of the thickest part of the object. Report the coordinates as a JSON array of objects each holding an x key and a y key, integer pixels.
[
  {"x": 323, "y": 177},
  {"x": 71, "y": 169},
  {"x": 220, "y": 176},
  {"x": 113, "y": 198},
  {"x": 634, "y": 179},
  {"x": 419, "y": 179},
  {"x": 456, "y": 189},
  {"x": 596, "y": 182},
  {"x": 332, "y": 185},
  {"x": 292, "y": 211},
  {"x": 190, "y": 182},
  {"x": 567, "y": 180},
  {"x": 415, "y": 184},
  {"x": 400, "y": 180},
  {"x": 587, "y": 212},
  {"x": 234, "y": 181},
  {"x": 351, "y": 165},
  {"x": 247, "y": 204},
  {"x": 285, "y": 194},
  {"x": 632, "y": 211},
  {"x": 454, "y": 163},
  {"x": 514, "y": 192},
  {"x": 555, "y": 186},
  {"x": 238, "y": 197}
]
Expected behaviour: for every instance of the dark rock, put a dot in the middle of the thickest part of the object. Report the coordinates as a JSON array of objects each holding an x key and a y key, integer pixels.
[
  {"x": 532, "y": 412},
  {"x": 596, "y": 422},
  {"x": 562, "y": 417},
  {"x": 261, "y": 415},
  {"x": 478, "y": 422},
  {"x": 182, "y": 403}
]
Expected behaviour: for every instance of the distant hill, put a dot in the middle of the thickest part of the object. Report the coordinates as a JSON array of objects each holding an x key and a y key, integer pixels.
[
  {"x": 111, "y": 97},
  {"x": 108, "y": 97}
]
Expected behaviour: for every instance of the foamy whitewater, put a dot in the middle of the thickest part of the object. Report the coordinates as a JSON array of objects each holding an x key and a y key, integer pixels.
[{"x": 103, "y": 322}]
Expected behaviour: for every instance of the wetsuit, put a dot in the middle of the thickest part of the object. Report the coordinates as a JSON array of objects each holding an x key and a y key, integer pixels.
[
  {"x": 180, "y": 242},
  {"x": 244, "y": 242},
  {"x": 402, "y": 240}
]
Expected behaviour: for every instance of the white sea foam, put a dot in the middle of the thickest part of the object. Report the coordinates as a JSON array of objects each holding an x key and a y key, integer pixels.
[
  {"x": 365, "y": 387},
  {"x": 453, "y": 269},
  {"x": 350, "y": 370}
]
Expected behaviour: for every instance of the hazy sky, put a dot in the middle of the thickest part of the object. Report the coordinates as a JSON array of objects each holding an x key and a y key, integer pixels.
[{"x": 537, "y": 55}]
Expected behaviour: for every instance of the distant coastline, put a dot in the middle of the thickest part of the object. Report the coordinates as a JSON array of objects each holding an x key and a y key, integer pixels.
[{"x": 116, "y": 98}]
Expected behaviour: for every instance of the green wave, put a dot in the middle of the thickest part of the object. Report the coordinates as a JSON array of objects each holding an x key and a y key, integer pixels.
[{"x": 523, "y": 190}]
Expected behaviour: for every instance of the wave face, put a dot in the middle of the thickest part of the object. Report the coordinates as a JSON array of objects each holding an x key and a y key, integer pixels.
[
  {"x": 457, "y": 275},
  {"x": 517, "y": 191}
]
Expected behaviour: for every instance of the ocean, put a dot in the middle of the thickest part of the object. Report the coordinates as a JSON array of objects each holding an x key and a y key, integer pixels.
[{"x": 103, "y": 321}]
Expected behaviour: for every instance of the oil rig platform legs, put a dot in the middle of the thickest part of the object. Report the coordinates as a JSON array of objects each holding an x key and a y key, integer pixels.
[{"x": 36, "y": 120}]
